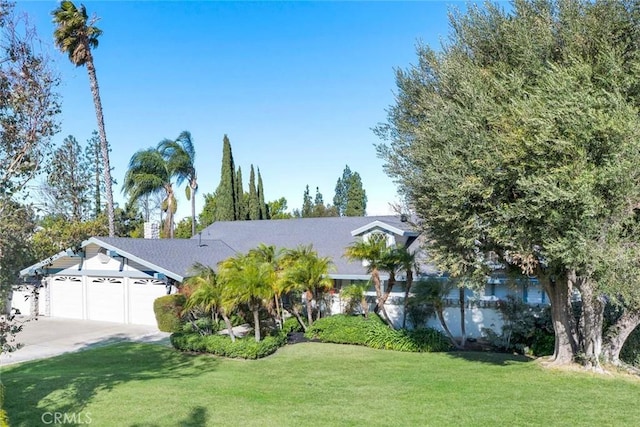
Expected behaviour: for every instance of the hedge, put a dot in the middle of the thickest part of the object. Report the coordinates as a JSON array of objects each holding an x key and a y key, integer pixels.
[
  {"x": 221, "y": 345},
  {"x": 167, "y": 310},
  {"x": 373, "y": 332}
]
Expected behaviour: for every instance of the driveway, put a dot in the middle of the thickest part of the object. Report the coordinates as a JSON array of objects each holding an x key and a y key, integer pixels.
[{"x": 47, "y": 337}]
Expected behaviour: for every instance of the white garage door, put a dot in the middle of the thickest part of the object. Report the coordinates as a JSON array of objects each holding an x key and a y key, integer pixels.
[
  {"x": 65, "y": 297},
  {"x": 21, "y": 300},
  {"x": 105, "y": 299},
  {"x": 142, "y": 294}
]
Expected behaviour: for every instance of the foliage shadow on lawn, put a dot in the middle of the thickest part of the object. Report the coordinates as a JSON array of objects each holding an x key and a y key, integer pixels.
[
  {"x": 197, "y": 418},
  {"x": 490, "y": 358},
  {"x": 28, "y": 386}
]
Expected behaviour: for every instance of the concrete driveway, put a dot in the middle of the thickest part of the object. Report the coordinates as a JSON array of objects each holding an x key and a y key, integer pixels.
[{"x": 47, "y": 337}]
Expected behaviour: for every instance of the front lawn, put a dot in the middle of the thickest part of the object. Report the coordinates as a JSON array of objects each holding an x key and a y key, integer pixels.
[{"x": 311, "y": 384}]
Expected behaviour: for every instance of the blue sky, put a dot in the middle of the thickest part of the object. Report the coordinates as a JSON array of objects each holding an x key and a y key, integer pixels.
[{"x": 297, "y": 86}]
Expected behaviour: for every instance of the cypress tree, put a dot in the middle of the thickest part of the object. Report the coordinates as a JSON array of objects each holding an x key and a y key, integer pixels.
[
  {"x": 254, "y": 204},
  {"x": 261, "y": 203},
  {"x": 241, "y": 207},
  {"x": 225, "y": 193},
  {"x": 340, "y": 199}
]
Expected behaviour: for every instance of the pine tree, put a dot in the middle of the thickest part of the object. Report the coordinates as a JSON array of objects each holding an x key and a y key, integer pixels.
[
  {"x": 254, "y": 204},
  {"x": 241, "y": 211},
  {"x": 307, "y": 205},
  {"x": 350, "y": 198},
  {"x": 68, "y": 181},
  {"x": 356, "y": 197},
  {"x": 225, "y": 193},
  {"x": 261, "y": 203}
]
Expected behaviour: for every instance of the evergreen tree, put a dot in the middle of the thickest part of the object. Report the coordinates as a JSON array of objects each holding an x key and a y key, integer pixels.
[
  {"x": 208, "y": 214},
  {"x": 307, "y": 205},
  {"x": 94, "y": 162},
  {"x": 241, "y": 205},
  {"x": 356, "y": 197},
  {"x": 254, "y": 204},
  {"x": 225, "y": 193},
  {"x": 68, "y": 181},
  {"x": 350, "y": 198},
  {"x": 261, "y": 203}
]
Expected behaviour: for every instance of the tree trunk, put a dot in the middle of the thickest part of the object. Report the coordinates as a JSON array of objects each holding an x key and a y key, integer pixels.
[
  {"x": 443, "y": 322},
  {"x": 229, "y": 326},
  {"x": 256, "y": 324},
  {"x": 296, "y": 313},
  {"x": 382, "y": 301},
  {"x": 591, "y": 320},
  {"x": 194, "y": 187},
  {"x": 565, "y": 346},
  {"x": 308, "y": 299},
  {"x": 365, "y": 306},
  {"x": 104, "y": 145},
  {"x": 406, "y": 298},
  {"x": 463, "y": 329},
  {"x": 375, "y": 278},
  {"x": 617, "y": 335}
]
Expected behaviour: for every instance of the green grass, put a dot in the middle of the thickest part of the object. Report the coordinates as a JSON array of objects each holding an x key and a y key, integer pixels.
[{"x": 313, "y": 384}]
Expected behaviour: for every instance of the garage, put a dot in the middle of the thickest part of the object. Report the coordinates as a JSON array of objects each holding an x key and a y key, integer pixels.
[
  {"x": 105, "y": 299},
  {"x": 117, "y": 279},
  {"x": 65, "y": 297},
  {"x": 142, "y": 294}
]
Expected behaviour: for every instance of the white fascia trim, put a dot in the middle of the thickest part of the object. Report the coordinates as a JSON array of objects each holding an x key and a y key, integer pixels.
[
  {"x": 134, "y": 258},
  {"x": 30, "y": 271},
  {"x": 384, "y": 226}
]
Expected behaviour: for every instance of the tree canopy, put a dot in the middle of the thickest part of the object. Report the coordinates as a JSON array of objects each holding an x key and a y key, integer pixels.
[{"x": 520, "y": 138}]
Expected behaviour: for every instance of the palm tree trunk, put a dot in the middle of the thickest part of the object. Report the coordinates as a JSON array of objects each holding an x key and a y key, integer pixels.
[
  {"x": 443, "y": 322},
  {"x": 308, "y": 299},
  {"x": 194, "y": 186},
  {"x": 256, "y": 324},
  {"x": 375, "y": 278},
  {"x": 229, "y": 327},
  {"x": 104, "y": 146}
]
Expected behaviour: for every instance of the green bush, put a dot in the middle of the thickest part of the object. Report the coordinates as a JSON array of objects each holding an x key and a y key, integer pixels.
[
  {"x": 342, "y": 329},
  {"x": 374, "y": 333},
  {"x": 221, "y": 345},
  {"x": 168, "y": 311},
  {"x": 291, "y": 325}
]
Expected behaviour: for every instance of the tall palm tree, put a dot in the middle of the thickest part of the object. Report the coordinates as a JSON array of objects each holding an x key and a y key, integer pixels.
[
  {"x": 309, "y": 272},
  {"x": 180, "y": 156},
  {"x": 149, "y": 174},
  {"x": 250, "y": 281},
  {"x": 76, "y": 36},
  {"x": 210, "y": 294},
  {"x": 371, "y": 253},
  {"x": 409, "y": 264}
]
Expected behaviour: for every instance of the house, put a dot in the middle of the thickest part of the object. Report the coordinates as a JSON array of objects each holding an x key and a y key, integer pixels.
[{"x": 117, "y": 279}]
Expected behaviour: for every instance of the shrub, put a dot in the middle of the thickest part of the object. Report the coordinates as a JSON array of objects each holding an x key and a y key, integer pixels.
[
  {"x": 221, "y": 345},
  {"x": 374, "y": 333},
  {"x": 342, "y": 329},
  {"x": 168, "y": 311},
  {"x": 291, "y": 325}
]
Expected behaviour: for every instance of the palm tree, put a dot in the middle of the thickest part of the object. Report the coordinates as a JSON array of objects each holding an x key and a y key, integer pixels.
[
  {"x": 371, "y": 253},
  {"x": 431, "y": 293},
  {"x": 409, "y": 264},
  {"x": 149, "y": 174},
  {"x": 308, "y": 272},
  {"x": 180, "y": 156},
  {"x": 272, "y": 256},
  {"x": 76, "y": 35},
  {"x": 210, "y": 294},
  {"x": 250, "y": 281}
]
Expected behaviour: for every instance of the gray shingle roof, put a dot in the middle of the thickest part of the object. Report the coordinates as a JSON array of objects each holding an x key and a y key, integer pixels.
[
  {"x": 329, "y": 236},
  {"x": 173, "y": 257}
]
